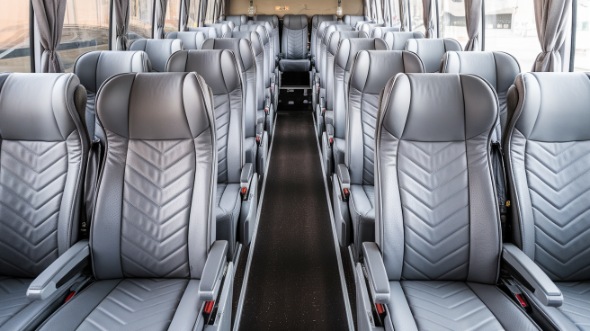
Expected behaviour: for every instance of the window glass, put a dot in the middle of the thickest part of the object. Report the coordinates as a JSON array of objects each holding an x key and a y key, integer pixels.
[
  {"x": 582, "y": 56},
  {"x": 193, "y": 13},
  {"x": 451, "y": 20},
  {"x": 86, "y": 28},
  {"x": 141, "y": 17},
  {"x": 172, "y": 16},
  {"x": 14, "y": 36},
  {"x": 510, "y": 26},
  {"x": 416, "y": 12}
]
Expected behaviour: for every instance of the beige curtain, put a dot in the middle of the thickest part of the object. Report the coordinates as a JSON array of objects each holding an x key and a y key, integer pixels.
[
  {"x": 160, "y": 18},
  {"x": 122, "y": 21},
  {"x": 50, "y": 19},
  {"x": 184, "y": 14},
  {"x": 473, "y": 15},
  {"x": 553, "y": 18},
  {"x": 403, "y": 16},
  {"x": 428, "y": 13}
]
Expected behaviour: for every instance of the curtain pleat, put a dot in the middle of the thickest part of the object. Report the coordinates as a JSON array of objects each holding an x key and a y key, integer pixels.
[
  {"x": 553, "y": 18},
  {"x": 50, "y": 18}
]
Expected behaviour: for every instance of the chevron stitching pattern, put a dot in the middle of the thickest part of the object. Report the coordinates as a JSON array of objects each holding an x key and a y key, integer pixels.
[
  {"x": 559, "y": 185},
  {"x": 576, "y": 303},
  {"x": 448, "y": 306},
  {"x": 32, "y": 179},
  {"x": 296, "y": 43},
  {"x": 137, "y": 304},
  {"x": 434, "y": 195},
  {"x": 12, "y": 297},
  {"x": 222, "y": 118},
  {"x": 370, "y": 106},
  {"x": 157, "y": 198}
]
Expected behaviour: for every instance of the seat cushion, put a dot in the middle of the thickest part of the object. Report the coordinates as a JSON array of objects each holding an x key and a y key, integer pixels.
[
  {"x": 445, "y": 305},
  {"x": 287, "y": 65},
  {"x": 228, "y": 213},
  {"x": 576, "y": 303},
  {"x": 362, "y": 213},
  {"x": 130, "y": 304}
]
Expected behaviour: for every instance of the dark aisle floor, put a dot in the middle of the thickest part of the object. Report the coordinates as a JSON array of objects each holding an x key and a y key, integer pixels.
[{"x": 294, "y": 282}]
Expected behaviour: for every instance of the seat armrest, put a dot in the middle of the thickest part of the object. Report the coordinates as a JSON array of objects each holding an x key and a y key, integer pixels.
[
  {"x": 213, "y": 271},
  {"x": 376, "y": 274},
  {"x": 543, "y": 287},
  {"x": 330, "y": 133},
  {"x": 343, "y": 176},
  {"x": 68, "y": 265},
  {"x": 246, "y": 175}
]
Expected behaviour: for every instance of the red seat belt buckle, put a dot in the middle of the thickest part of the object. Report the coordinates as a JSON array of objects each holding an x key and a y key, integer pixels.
[
  {"x": 521, "y": 300},
  {"x": 345, "y": 194},
  {"x": 331, "y": 141},
  {"x": 380, "y": 308},
  {"x": 244, "y": 193},
  {"x": 70, "y": 296},
  {"x": 208, "y": 308}
]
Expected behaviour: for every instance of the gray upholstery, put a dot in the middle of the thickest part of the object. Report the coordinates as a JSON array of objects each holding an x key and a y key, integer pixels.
[
  {"x": 380, "y": 31},
  {"x": 294, "y": 44},
  {"x": 327, "y": 60},
  {"x": 352, "y": 19},
  {"x": 315, "y": 22},
  {"x": 273, "y": 20},
  {"x": 437, "y": 224},
  {"x": 158, "y": 50},
  {"x": 153, "y": 221},
  {"x": 209, "y": 31},
  {"x": 547, "y": 155},
  {"x": 369, "y": 74},
  {"x": 398, "y": 40},
  {"x": 366, "y": 29},
  {"x": 94, "y": 68},
  {"x": 222, "y": 30},
  {"x": 44, "y": 148},
  {"x": 190, "y": 39},
  {"x": 237, "y": 20},
  {"x": 220, "y": 70},
  {"x": 431, "y": 51},
  {"x": 320, "y": 38},
  {"x": 332, "y": 41},
  {"x": 497, "y": 68}
]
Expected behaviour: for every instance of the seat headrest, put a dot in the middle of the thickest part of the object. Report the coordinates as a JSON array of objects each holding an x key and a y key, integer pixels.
[
  {"x": 366, "y": 28},
  {"x": 295, "y": 22},
  {"x": 337, "y": 37},
  {"x": 317, "y": 19},
  {"x": 272, "y": 19},
  {"x": 497, "y": 68},
  {"x": 190, "y": 39},
  {"x": 352, "y": 19},
  {"x": 431, "y": 51},
  {"x": 263, "y": 32},
  {"x": 131, "y": 106},
  {"x": 241, "y": 48},
  {"x": 237, "y": 19},
  {"x": 552, "y": 107},
  {"x": 40, "y": 107},
  {"x": 398, "y": 40},
  {"x": 329, "y": 31},
  {"x": 209, "y": 31},
  {"x": 323, "y": 26},
  {"x": 349, "y": 48},
  {"x": 438, "y": 107},
  {"x": 219, "y": 68},
  {"x": 372, "y": 69},
  {"x": 253, "y": 37},
  {"x": 158, "y": 50},
  {"x": 93, "y": 68},
  {"x": 379, "y": 31}
]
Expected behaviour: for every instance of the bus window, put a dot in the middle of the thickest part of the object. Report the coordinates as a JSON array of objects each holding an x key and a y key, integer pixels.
[
  {"x": 14, "y": 36},
  {"x": 510, "y": 26},
  {"x": 193, "y": 13},
  {"x": 451, "y": 20},
  {"x": 86, "y": 28},
  {"x": 172, "y": 16},
  {"x": 141, "y": 17},
  {"x": 417, "y": 18},
  {"x": 582, "y": 56}
]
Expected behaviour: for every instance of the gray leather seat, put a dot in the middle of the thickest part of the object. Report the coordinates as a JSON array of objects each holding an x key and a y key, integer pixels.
[
  {"x": 44, "y": 150},
  {"x": 318, "y": 62},
  {"x": 435, "y": 262},
  {"x": 94, "y": 68},
  {"x": 158, "y": 50},
  {"x": 431, "y": 51},
  {"x": 398, "y": 40},
  {"x": 315, "y": 22},
  {"x": 152, "y": 243},
  {"x": 222, "y": 30},
  {"x": 369, "y": 73},
  {"x": 294, "y": 55},
  {"x": 256, "y": 141},
  {"x": 209, "y": 31},
  {"x": 366, "y": 29},
  {"x": 548, "y": 156},
  {"x": 353, "y": 19},
  {"x": 237, "y": 20},
  {"x": 273, "y": 20},
  {"x": 190, "y": 39},
  {"x": 380, "y": 31},
  {"x": 235, "y": 210}
]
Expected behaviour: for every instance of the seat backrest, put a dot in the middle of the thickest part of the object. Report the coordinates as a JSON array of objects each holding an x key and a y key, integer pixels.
[
  {"x": 209, "y": 31},
  {"x": 244, "y": 54},
  {"x": 237, "y": 20},
  {"x": 379, "y": 31},
  {"x": 230, "y": 24},
  {"x": 158, "y": 50},
  {"x": 294, "y": 42},
  {"x": 160, "y": 134},
  {"x": 331, "y": 37},
  {"x": 270, "y": 45},
  {"x": 359, "y": 24},
  {"x": 315, "y": 22},
  {"x": 497, "y": 68},
  {"x": 220, "y": 70},
  {"x": 397, "y": 40},
  {"x": 343, "y": 59},
  {"x": 352, "y": 19},
  {"x": 94, "y": 68},
  {"x": 547, "y": 150},
  {"x": 431, "y": 51},
  {"x": 319, "y": 39},
  {"x": 366, "y": 29},
  {"x": 435, "y": 210},
  {"x": 43, "y": 153},
  {"x": 222, "y": 30},
  {"x": 258, "y": 49},
  {"x": 190, "y": 39},
  {"x": 272, "y": 19},
  {"x": 369, "y": 74}
]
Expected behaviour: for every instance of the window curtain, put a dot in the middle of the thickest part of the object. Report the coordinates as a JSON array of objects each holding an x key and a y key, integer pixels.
[
  {"x": 428, "y": 12},
  {"x": 50, "y": 19},
  {"x": 202, "y": 12},
  {"x": 122, "y": 21},
  {"x": 184, "y": 14},
  {"x": 553, "y": 18},
  {"x": 367, "y": 9},
  {"x": 160, "y": 19},
  {"x": 473, "y": 15},
  {"x": 403, "y": 16}
]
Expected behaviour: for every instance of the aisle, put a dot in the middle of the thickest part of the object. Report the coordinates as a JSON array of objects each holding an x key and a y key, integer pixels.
[{"x": 294, "y": 280}]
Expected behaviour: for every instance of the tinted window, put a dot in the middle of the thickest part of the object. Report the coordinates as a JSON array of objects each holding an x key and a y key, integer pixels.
[{"x": 14, "y": 36}]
